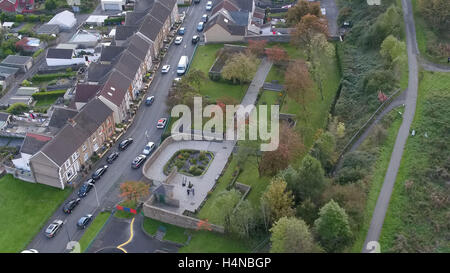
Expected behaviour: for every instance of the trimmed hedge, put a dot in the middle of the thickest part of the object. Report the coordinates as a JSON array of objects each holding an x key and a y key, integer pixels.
[
  {"x": 47, "y": 95},
  {"x": 49, "y": 77}
]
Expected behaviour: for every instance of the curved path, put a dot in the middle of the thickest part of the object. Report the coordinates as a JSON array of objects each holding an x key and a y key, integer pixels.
[
  {"x": 382, "y": 205},
  {"x": 429, "y": 66}
]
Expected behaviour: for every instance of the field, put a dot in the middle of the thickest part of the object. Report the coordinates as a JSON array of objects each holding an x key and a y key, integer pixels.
[
  {"x": 173, "y": 233},
  {"x": 24, "y": 209},
  {"x": 417, "y": 217}
]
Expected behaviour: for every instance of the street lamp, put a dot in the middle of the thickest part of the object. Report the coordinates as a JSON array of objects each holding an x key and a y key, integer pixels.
[{"x": 96, "y": 196}]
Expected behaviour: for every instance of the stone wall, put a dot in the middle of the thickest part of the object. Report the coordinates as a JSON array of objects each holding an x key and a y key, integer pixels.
[{"x": 172, "y": 218}]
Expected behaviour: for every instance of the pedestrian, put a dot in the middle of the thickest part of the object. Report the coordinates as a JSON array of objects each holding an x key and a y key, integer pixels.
[
  {"x": 188, "y": 191},
  {"x": 193, "y": 191}
]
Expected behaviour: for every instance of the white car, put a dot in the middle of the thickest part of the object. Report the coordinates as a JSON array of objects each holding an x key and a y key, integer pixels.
[
  {"x": 165, "y": 69},
  {"x": 161, "y": 123},
  {"x": 323, "y": 10},
  {"x": 148, "y": 148},
  {"x": 178, "y": 40},
  {"x": 209, "y": 5},
  {"x": 31, "y": 250}
]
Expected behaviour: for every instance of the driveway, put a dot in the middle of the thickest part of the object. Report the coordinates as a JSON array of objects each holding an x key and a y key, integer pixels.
[
  {"x": 117, "y": 233},
  {"x": 382, "y": 204},
  {"x": 332, "y": 13},
  {"x": 120, "y": 170}
]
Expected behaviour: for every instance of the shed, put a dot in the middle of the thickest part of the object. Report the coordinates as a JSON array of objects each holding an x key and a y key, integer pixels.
[
  {"x": 65, "y": 20},
  {"x": 24, "y": 63}
]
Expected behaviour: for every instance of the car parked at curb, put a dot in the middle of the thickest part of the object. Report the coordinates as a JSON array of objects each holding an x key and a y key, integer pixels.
[
  {"x": 71, "y": 205},
  {"x": 149, "y": 100},
  {"x": 99, "y": 172},
  {"x": 149, "y": 148},
  {"x": 125, "y": 143},
  {"x": 84, "y": 221},
  {"x": 137, "y": 162},
  {"x": 195, "y": 39},
  {"x": 200, "y": 26},
  {"x": 181, "y": 31},
  {"x": 208, "y": 5},
  {"x": 205, "y": 18},
  {"x": 178, "y": 40},
  {"x": 161, "y": 123},
  {"x": 85, "y": 189},
  {"x": 53, "y": 228},
  {"x": 113, "y": 156},
  {"x": 165, "y": 69}
]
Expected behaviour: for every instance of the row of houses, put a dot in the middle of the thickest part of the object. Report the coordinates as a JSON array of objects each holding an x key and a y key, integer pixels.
[{"x": 102, "y": 101}]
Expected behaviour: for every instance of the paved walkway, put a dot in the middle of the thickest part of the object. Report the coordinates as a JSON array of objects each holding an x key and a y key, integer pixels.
[
  {"x": 429, "y": 66},
  {"x": 202, "y": 184},
  {"x": 382, "y": 204}
]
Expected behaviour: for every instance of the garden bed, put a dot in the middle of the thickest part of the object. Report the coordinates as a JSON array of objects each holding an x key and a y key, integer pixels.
[{"x": 189, "y": 162}]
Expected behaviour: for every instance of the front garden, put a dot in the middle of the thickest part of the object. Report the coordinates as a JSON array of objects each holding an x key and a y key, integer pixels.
[{"x": 189, "y": 162}]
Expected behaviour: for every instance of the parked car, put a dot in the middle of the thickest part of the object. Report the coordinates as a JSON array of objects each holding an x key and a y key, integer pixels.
[
  {"x": 85, "y": 189},
  {"x": 205, "y": 18},
  {"x": 113, "y": 156},
  {"x": 69, "y": 206},
  {"x": 149, "y": 100},
  {"x": 181, "y": 31},
  {"x": 165, "y": 69},
  {"x": 84, "y": 221},
  {"x": 200, "y": 26},
  {"x": 53, "y": 228},
  {"x": 31, "y": 250},
  {"x": 178, "y": 40},
  {"x": 195, "y": 39},
  {"x": 323, "y": 10},
  {"x": 99, "y": 172},
  {"x": 161, "y": 123},
  {"x": 148, "y": 148},
  {"x": 137, "y": 162},
  {"x": 208, "y": 5},
  {"x": 125, "y": 143},
  {"x": 196, "y": 1}
]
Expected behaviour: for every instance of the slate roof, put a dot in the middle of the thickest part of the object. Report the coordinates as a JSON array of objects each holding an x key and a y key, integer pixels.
[
  {"x": 17, "y": 60},
  {"x": 85, "y": 92},
  {"x": 160, "y": 12},
  {"x": 116, "y": 87},
  {"x": 134, "y": 18},
  {"x": 226, "y": 24},
  {"x": 59, "y": 53},
  {"x": 98, "y": 72},
  {"x": 33, "y": 143},
  {"x": 48, "y": 29},
  {"x": 72, "y": 136},
  {"x": 4, "y": 116},
  {"x": 60, "y": 116},
  {"x": 124, "y": 32},
  {"x": 150, "y": 27},
  {"x": 143, "y": 5},
  {"x": 128, "y": 65},
  {"x": 138, "y": 47},
  {"x": 110, "y": 53},
  {"x": 8, "y": 70}
]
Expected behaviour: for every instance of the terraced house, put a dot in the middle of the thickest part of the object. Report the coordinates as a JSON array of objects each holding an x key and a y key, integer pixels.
[{"x": 60, "y": 160}]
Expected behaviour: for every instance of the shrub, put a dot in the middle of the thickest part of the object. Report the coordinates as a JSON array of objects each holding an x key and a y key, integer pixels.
[
  {"x": 49, "y": 77},
  {"x": 18, "y": 108},
  {"x": 48, "y": 95}
]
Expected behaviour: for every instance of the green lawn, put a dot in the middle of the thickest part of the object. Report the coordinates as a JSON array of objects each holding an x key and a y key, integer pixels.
[
  {"x": 418, "y": 216},
  {"x": 124, "y": 214},
  {"x": 425, "y": 36},
  {"x": 24, "y": 209},
  {"x": 211, "y": 242},
  {"x": 377, "y": 178},
  {"x": 203, "y": 60},
  {"x": 93, "y": 229},
  {"x": 173, "y": 233}
]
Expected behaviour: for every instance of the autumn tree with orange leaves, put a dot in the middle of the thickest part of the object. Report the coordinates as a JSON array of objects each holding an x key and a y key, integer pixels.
[
  {"x": 257, "y": 47},
  {"x": 134, "y": 190},
  {"x": 308, "y": 27},
  {"x": 300, "y": 9},
  {"x": 277, "y": 55},
  {"x": 298, "y": 83},
  {"x": 289, "y": 147}
]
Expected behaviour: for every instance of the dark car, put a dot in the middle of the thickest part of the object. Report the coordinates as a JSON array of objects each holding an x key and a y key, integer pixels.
[
  {"x": 149, "y": 100},
  {"x": 113, "y": 156},
  {"x": 53, "y": 228},
  {"x": 69, "y": 206},
  {"x": 196, "y": 1},
  {"x": 84, "y": 221},
  {"x": 205, "y": 18},
  {"x": 99, "y": 172},
  {"x": 195, "y": 39},
  {"x": 125, "y": 143},
  {"x": 85, "y": 188},
  {"x": 137, "y": 162}
]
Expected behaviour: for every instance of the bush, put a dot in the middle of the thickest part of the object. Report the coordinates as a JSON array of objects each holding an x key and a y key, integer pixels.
[
  {"x": 48, "y": 95},
  {"x": 49, "y": 77},
  {"x": 18, "y": 108}
]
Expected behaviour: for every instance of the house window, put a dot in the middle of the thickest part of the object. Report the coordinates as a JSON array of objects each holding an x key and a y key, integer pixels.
[
  {"x": 67, "y": 164},
  {"x": 70, "y": 173},
  {"x": 84, "y": 147},
  {"x": 86, "y": 156},
  {"x": 95, "y": 147},
  {"x": 75, "y": 156}
]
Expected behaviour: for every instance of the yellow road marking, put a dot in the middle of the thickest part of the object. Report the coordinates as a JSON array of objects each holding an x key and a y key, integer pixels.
[{"x": 129, "y": 239}]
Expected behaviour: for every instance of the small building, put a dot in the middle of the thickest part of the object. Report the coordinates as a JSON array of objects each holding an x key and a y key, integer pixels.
[
  {"x": 30, "y": 44},
  {"x": 113, "y": 4},
  {"x": 85, "y": 39},
  {"x": 96, "y": 20},
  {"x": 65, "y": 20},
  {"x": 7, "y": 25},
  {"x": 7, "y": 75},
  {"x": 24, "y": 63},
  {"x": 32, "y": 144},
  {"x": 62, "y": 57},
  {"x": 5, "y": 120},
  {"x": 48, "y": 29}
]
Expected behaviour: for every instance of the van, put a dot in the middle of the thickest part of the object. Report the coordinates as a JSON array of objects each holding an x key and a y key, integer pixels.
[{"x": 182, "y": 65}]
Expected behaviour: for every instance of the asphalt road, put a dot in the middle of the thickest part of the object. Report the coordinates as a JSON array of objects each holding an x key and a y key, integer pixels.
[
  {"x": 120, "y": 170},
  {"x": 382, "y": 205}
]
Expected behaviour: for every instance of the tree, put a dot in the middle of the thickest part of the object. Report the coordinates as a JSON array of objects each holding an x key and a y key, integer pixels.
[
  {"x": 308, "y": 27},
  {"x": 256, "y": 47},
  {"x": 387, "y": 23},
  {"x": 298, "y": 83},
  {"x": 243, "y": 219},
  {"x": 291, "y": 235},
  {"x": 17, "y": 108},
  {"x": 277, "y": 55},
  {"x": 134, "y": 191},
  {"x": 224, "y": 206},
  {"x": 436, "y": 13},
  {"x": 308, "y": 211},
  {"x": 50, "y": 5},
  {"x": 240, "y": 68},
  {"x": 311, "y": 181},
  {"x": 321, "y": 51},
  {"x": 302, "y": 8},
  {"x": 324, "y": 150},
  {"x": 290, "y": 145},
  {"x": 277, "y": 201},
  {"x": 195, "y": 77},
  {"x": 332, "y": 228}
]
